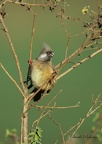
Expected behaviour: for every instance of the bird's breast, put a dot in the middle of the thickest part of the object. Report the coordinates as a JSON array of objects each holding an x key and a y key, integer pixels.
[{"x": 40, "y": 74}]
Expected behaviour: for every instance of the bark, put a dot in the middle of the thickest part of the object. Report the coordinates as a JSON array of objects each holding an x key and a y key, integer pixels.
[{"x": 24, "y": 123}]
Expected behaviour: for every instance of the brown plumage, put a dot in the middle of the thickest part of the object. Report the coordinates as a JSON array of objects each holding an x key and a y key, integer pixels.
[{"x": 42, "y": 73}]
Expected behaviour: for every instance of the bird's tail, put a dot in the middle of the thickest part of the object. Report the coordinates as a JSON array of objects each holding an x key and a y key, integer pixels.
[
  {"x": 39, "y": 94},
  {"x": 37, "y": 97}
]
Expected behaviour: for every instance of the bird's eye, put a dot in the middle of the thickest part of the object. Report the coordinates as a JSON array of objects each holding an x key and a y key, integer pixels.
[{"x": 49, "y": 52}]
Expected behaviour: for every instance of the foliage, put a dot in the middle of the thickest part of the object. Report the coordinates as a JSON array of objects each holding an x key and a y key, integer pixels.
[
  {"x": 97, "y": 128},
  {"x": 35, "y": 136},
  {"x": 13, "y": 135}
]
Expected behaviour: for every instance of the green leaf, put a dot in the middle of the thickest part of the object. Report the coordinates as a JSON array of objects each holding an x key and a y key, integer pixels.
[
  {"x": 36, "y": 138},
  {"x": 95, "y": 117},
  {"x": 7, "y": 133},
  {"x": 93, "y": 128},
  {"x": 85, "y": 10}
]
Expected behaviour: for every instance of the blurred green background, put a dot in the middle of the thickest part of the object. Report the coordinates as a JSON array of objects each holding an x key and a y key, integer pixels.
[{"x": 79, "y": 85}]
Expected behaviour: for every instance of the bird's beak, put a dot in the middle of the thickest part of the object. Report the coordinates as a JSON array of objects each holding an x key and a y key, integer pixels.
[{"x": 52, "y": 54}]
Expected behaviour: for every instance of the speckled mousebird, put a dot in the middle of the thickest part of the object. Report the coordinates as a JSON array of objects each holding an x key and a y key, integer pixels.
[{"x": 41, "y": 72}]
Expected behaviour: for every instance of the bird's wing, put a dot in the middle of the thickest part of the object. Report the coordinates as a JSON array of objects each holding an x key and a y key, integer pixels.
[{"x": 29, "y": 73}]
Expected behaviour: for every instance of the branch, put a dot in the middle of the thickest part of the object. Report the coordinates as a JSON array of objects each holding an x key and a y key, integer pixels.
[
  {"x": 33, "y": 30},
  {"x": 43, "y": 114},
  {"x": 55, "y": 122},
  {"x": 58, "y": 107},
  {"x": 26, "y": 4},
  {"x": 12, "y": 79},
  {"x": 92, "y": 110},
  {"x": 79, "y": 63},
  {"x": 78, "y": 51},
  {"x": 14, "y": 52},
  {"x": 29, "y": 5},
  {"x": 52, "y": 78},
  {"x": 3, "y": 3}
]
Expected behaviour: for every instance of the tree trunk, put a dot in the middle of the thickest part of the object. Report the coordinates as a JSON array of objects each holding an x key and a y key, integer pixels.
[{"x": 24, "y": 123}]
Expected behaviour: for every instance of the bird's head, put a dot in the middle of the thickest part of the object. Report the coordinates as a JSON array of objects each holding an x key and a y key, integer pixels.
[{"x": 46, "y": 54}]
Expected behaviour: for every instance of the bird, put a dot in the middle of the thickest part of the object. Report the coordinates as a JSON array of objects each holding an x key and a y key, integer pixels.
[{"x": 41, "y": 73}]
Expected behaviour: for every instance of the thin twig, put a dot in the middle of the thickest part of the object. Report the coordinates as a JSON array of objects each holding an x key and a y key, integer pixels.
[
  {"x": 79, "y": 63},
  {"x": 26, "y": 4},
  {"x": 43, "y": 114},
  {"x": 68, "y": 39},
  {"x": 58, "y": 107},
  {"x": 12, "y": 79},
  {"x": 52, "y": 78},
  {"x": 67, "y": 46},
  {"x": 33, "y": 105},
  {"x": 78, "y": 51},
  {"x": 33, "y": 30},
  {"x": 98, "y": 6},
  {"x": 84, "y": 32},
  {"x": 3, "y": 3},
  {"x": 14, "y": 52},
  {"x": 55, "y": 122},
  {"x": 90, "y": 112},
  {"x": 54, "y": 97}
]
